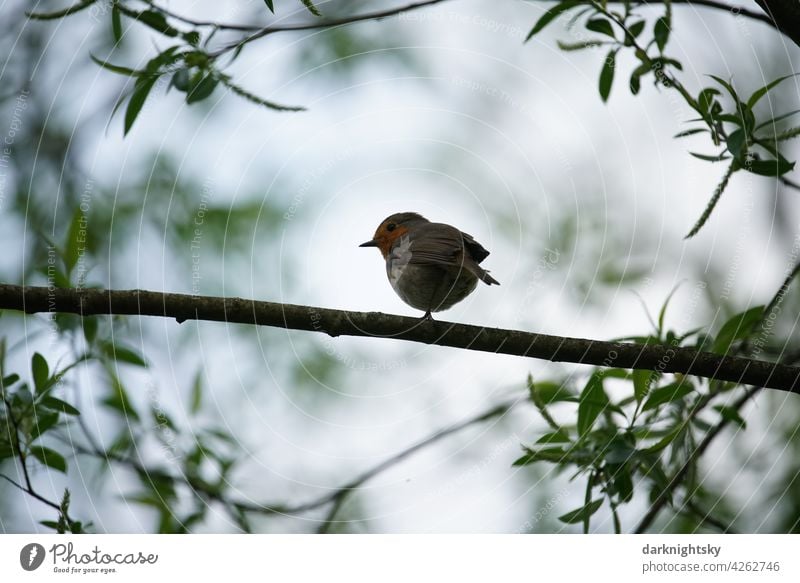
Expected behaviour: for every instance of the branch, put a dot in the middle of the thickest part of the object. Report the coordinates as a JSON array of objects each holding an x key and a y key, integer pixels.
[
  {"x": 661, "y": 358},
  {"x": 786, "y": 16},
  {"x": 378, "y": 15},
  {"x": 677, "y": 479}
]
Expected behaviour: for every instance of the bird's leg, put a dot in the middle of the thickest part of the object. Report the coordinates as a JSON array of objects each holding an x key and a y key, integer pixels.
[{"x": 427, "y": 317}]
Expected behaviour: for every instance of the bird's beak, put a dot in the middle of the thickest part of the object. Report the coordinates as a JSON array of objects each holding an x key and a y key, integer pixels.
[{"x": 372, "y": 243}]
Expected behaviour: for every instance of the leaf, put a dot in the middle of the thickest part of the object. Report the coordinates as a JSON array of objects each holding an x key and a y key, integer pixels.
[
  {"x": 636, "y": 28},
  {"x": 43, "y": 421},
  {"x": 119, "y": 400},
  {"x": 710, "y": 157},
  {"x": 756, "y": 96},
  {"x": 607, "y": 75},
  {"x": 89, "y": 328},
  {"x": 116, "y": 23},
  {"x": 40, "y": 372},
  {"x": 737, "y": 144},
  {"x": 635, "y": 83},
  {"x": 667, "y": 394},
  {"x": 550, "y": 454},
  {"x": 6, "y": 382},
  {"x": 776, "y": 119},
  {"x": 550, "y": 392},
  {"x": 739, "y": 326},
  {"x": 138, "y": 97},
  {"x": 705, "y": 98},
  {"x": 559, "y": 436},
  {"x": 121, "y": 353},
  {"x": 732, "y": 415},
  {"x": 661, "y": 32},
  {"x": 59, "y": 405},
  {"x": 593, "y": 401},
  {"x": 50, "y": 458},
  {"x": 116, "y": 68},
  {"x": 73, "y": 247},
  {"x": 600, "y": 25},
  {"x": 691, "y": 132},
  {"x": 311, "y": 8},
  {"x": 582, "y": 513},
  {"x": 770, "y": 167},
  {"x": 641, "y": 383},
  {"x": 270, "y": 6},
  {"x": 60, "y": 13},
  {"x": 158, "y": 22},
  {"x": 551, "y": 15},
  {"x": 202, "y": 89}
]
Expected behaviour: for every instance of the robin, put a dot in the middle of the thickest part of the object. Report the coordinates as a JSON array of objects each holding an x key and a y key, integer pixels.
[{"x": 431, "y": 266}]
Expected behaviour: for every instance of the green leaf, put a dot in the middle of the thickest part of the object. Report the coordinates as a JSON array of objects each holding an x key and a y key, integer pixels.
[
  {"x": 641, "y": 383},
  {"x": 729, "y": 88},
  {"x": 121, "y": 353},
  {"x": 116, "y": 68},
  {"x": 158, "y": 22},
  {"x": 311, "y": 8},
  {"x": 778, "y": 118},
  {"x": 40, "y": 371},
  {"x": 635, "y": 83},
  {"x": 736, "y": 328},
  {"x": 89, "y": 328},
  {"x": 579, "y": 46},
  {"x": 755, "y": 97},
  {"x": 116, "y": 23},
  {"x": 607, "y": 75},
  {"x": 661, "y": 32},
  {"x": 550, "y": 392},
  {"x": 58, "y": 405},
  {"x": 202, "y": 89},
  {"x": 732, "y": 415},
  {"x": 138, "y": 97},
  {"x": 691, "y": 132},
  {"x": 667, "y": 438},
  {"x": 43, "y": 421},
  {"x": 550, "y": 16},
  {"x": 636, "y": 28},
  {"x": 737, "y": 144},
  {"x": 9, "y": 380},
  {"x": 559, "y": 436},
  {"x": 770, "y": 167},
  {"x": 705, "y": 98},
  {"x": 593, "y": 401},
  {"x": 582, "y": 513},
  {"x": 50, "y": 458},
  {"x": 119, "y": 400},
  {"x": 197, "y": 392},
  {"x": 710, "y": 157},
  {"x": 60, "y": 13},
  {"x": 550, "y": 454},
  {"x": 270, "y": 6},
  {"x": 667, "y": 394},
  {"x": 600, "y": 25}
]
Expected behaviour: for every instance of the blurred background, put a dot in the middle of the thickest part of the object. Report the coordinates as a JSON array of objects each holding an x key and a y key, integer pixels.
[{"x": 443, "y": 111}]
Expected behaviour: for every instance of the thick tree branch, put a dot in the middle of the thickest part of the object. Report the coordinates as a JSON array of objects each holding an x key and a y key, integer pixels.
[
  {"x": 785, "y": 14},
  {"x": 668, "y": 359}
]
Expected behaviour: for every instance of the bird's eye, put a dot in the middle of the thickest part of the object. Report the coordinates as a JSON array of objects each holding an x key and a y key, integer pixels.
[{"x": 391, "y": 227}]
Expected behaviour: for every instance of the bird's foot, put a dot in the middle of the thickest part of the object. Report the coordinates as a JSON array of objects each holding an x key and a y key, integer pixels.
[{"x": 427, "y": 317}]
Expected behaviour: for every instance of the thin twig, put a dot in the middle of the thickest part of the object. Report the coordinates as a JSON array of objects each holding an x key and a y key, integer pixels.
[{"x": 378, "y": 15}]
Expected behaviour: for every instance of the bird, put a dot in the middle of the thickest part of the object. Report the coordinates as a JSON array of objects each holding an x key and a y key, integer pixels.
[{"x": 431, "y": 266}]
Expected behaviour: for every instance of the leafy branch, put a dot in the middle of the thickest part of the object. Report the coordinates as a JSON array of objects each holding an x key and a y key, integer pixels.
[
  {"x": 658, "y": 357},
  {"x": 751, "y": 144}
]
